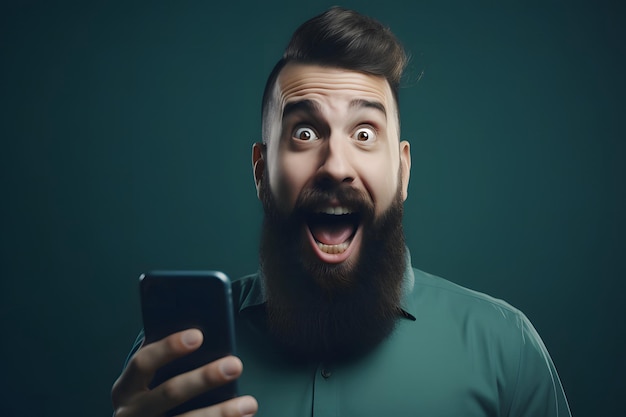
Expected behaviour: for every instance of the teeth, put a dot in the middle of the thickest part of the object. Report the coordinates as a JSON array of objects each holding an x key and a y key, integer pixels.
[
  {"x": 333, "y": 249},
  {"x": 337, "y": 211}
]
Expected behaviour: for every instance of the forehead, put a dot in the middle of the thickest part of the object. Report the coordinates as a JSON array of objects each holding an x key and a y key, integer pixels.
[{"x": 304, "y": 81}]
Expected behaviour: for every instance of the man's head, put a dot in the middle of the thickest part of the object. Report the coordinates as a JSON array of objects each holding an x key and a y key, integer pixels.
[
  {"x": 332, "y": 174},
  {"x": 340, "y": 38}
]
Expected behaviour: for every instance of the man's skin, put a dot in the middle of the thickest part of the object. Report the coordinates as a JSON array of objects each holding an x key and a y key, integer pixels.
[
  {"x": 330, "y": 124},
  {"x": 132, "y": 397}
]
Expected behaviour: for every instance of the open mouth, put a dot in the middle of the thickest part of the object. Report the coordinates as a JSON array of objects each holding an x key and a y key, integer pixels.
[{"x": 333, "y": 229}]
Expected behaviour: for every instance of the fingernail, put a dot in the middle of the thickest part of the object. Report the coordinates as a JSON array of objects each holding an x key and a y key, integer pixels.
[
  {"x": 247, "y": 406},
  {"x": 192, "y": 337},
  {"x": 229, "y": 368}
]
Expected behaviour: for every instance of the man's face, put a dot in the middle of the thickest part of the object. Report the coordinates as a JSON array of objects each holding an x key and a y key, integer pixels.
[{"x": 331, "y": 129}]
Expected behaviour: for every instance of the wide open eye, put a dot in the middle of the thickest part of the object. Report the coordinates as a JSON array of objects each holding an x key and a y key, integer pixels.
[
  {"x": 364, "y": 134},
  {"x": 305, "y": 134}
]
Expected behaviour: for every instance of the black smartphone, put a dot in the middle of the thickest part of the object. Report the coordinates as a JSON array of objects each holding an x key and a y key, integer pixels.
[{"x": 172, "y": 301}]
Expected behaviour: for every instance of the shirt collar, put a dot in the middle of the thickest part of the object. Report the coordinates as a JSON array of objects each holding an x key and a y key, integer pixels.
[{"x": 256, "y": 296}]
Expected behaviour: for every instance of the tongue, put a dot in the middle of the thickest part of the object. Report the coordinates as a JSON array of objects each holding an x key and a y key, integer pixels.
[{"x": 331, "y": 234}]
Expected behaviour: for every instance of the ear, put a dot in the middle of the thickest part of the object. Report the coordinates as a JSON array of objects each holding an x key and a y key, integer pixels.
[
  {"x": 405, "y": 167},
  {"x": 258, "y": 165}
]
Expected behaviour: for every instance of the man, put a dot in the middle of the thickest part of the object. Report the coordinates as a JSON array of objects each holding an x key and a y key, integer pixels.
[{"x": 337, "y": 322}]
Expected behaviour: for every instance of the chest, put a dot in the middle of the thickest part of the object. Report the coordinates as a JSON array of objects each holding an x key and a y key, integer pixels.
[{"x": 407, "y": 375}]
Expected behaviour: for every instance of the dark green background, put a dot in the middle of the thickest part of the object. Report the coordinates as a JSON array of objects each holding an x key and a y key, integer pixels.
[{"x": 126, "y": 135}]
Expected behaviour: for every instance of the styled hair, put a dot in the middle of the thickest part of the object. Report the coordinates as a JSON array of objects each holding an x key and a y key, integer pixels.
[{"x": 345, "y": 39}]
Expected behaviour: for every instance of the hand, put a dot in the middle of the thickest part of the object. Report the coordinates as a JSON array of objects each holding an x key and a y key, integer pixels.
[{"x": 132, "y": 397}]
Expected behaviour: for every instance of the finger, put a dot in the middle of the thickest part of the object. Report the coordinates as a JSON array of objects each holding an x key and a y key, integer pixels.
[
  {"x": 144, "y": 364},
  {"x": 237, "y": 407},
  {"x": 185, "y": 386}
]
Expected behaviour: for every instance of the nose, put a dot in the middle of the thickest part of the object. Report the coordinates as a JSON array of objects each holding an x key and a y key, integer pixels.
[{"x": 335, "y": 161}]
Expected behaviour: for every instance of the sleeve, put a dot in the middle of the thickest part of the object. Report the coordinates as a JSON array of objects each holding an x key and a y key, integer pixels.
[{"x": 538, "y": 391}]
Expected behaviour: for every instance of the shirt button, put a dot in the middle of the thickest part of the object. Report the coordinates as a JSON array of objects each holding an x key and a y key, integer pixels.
[{"x": 326, "y": 373}]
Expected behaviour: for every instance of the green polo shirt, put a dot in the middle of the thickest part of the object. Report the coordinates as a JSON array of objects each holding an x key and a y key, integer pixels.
[{"x": 454, "y": 353}]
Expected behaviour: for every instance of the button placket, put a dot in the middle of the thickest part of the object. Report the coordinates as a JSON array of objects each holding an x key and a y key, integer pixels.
[{"x": 325, "y": 397}]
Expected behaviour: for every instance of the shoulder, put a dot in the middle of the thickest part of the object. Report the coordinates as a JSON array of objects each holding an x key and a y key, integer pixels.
[
  {"x": 431, "y": 289},
  {"x": 244, "y": 284},
  {"x": 247, "y": 291},
  {"x": 450, "y": 304},
  {"x": 487, "y": 320},
  {"x": 497, "y": 336}
]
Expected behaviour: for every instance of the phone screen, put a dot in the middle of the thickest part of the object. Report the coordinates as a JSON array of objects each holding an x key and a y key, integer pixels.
[{"x": 173, "y": 301}]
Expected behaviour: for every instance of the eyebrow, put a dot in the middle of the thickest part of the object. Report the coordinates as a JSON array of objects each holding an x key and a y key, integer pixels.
[
  {"x": 360, "y": 103},
  {"x": 307, "y": 106},
  {"x": 310, "y": 106}
]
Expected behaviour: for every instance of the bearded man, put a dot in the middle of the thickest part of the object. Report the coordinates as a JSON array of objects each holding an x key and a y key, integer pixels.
[{"x": 337, "y": 322}]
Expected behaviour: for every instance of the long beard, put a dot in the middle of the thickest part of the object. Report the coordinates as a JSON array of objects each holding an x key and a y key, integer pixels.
[{"x": 325, "y": 311}]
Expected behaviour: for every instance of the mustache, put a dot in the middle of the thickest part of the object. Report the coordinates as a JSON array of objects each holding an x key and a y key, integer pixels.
[{"x": 316, "y": 198}]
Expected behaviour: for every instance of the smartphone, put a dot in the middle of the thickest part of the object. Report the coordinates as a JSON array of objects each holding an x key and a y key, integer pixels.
[{"x": 172, "y": 301}]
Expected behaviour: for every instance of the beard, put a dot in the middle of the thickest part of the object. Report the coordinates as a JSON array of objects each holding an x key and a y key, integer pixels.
[{"x": 323, "y": 311}]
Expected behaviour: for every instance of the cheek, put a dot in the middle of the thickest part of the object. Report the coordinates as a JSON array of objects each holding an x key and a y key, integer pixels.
[
  {"x": 288, "y": 178},
  {"x": 381, "y": 181}
]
